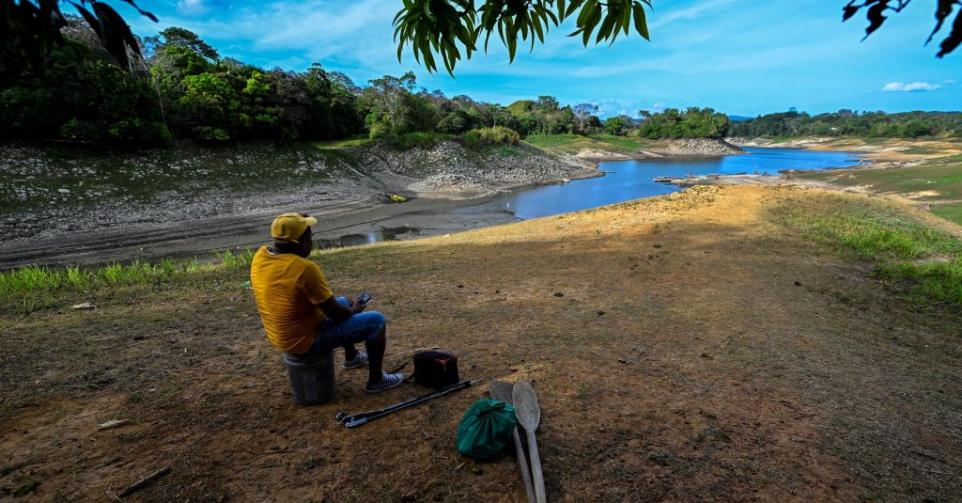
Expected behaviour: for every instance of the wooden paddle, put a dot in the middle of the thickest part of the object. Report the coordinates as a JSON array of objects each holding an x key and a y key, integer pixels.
[
  {"x": 529, "y": 416},
  {"x": 502, "y": 391}
]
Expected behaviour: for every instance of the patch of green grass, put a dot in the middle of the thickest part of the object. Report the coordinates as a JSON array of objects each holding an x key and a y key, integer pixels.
[
  {"x": 901, "y": 247},
  {"x": 234, "y": 260},
  {"x": 31, "y": 288},
  {"x": 505, "y": 151},
  {"x": 554, "y": 140},
  {"x": 345, "y": 143},
  {"x": 935, "y": 280},
  {"x": 632, "y": 143},
  {"x": 919, "y": 150},
  {"x": 573, "y": 143},
  {"x": 951, "y": 212},
  {"x": 933, "y": 181}
]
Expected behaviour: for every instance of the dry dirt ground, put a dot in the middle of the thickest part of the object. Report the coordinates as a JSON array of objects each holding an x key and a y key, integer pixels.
[{"x": 684, "y": 348}]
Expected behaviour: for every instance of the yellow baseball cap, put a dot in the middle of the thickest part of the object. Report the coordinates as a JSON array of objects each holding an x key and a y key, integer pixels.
[{"x": 290, "y": 226}]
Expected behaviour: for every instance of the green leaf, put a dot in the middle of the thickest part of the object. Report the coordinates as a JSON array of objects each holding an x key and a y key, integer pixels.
[
  {"x": 586, "y": 12},
  {"x": 606, "y": 26},
  {"x": 572, "y": 7},
  {"x": 538, "y": 31},
  {"x": 512, "y": 42},
  {"x": 641, "y": 25}
]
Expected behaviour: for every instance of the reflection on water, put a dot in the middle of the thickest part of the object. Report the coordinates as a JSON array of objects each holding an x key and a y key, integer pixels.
[{"x": 627, "y": 180}]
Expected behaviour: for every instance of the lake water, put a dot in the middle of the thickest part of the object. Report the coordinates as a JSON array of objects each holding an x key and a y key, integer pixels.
[
  {"x": 627, "y": 180},
  {"x": 623, "y": 181}
]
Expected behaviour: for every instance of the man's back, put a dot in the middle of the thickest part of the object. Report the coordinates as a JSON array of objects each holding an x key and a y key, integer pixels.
[{"x": 287, "y": 289}]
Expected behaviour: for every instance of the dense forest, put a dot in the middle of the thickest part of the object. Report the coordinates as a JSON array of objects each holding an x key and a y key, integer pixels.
[
  {"x": 183, "y": 89},
  {"x": 852, "y": 123}
]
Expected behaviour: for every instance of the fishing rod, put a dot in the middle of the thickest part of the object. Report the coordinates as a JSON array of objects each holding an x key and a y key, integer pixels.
[{"x": 355, "y": 420}]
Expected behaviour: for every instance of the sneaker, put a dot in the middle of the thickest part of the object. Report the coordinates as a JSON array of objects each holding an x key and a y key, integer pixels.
[
  {"x": 389, "y": 381},
  {"x": 358, "y": 361}
]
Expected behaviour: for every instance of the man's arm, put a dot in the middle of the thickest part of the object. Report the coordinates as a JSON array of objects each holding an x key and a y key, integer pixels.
[{"x": 338, "y": 312}]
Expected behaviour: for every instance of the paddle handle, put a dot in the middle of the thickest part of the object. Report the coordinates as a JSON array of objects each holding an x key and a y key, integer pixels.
[
  {"x": 538, "y": 477},
  {"x": 523, "y": 464}
]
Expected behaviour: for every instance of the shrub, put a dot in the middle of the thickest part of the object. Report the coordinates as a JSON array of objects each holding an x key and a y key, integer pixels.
[
  {"x": 497, "y": 135},
  {"x": 407, "y": 141},
  {"x": 80, "y": 130}
]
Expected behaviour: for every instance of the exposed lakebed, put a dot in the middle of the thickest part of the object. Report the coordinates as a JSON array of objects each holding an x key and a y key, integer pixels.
[{"x": 622, "y": 181}]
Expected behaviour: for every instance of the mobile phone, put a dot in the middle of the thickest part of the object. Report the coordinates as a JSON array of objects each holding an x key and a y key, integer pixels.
[{"x": 364, "y": 298}]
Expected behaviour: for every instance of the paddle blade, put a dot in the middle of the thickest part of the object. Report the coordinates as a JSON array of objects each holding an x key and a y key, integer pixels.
[
  {"x": 526, "y": 406},
  {"x": 500, "y": 390}
]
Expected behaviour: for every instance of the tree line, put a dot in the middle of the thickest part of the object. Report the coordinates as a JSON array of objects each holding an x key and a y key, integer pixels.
[
  {"x": 183, "y": 89},
  {"x": 852, "y": 123}
]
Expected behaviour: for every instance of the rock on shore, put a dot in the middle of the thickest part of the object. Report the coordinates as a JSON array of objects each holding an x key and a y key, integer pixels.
[
  {"x": 448, "y": 170},
  {"x": 698, "y": 147}
]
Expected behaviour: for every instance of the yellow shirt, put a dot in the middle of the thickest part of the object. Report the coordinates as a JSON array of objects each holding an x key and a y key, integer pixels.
[{"x": 287, "y": 289}]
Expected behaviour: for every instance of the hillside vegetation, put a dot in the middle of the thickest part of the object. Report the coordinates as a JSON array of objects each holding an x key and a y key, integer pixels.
[
  {"x": 852, "y": 123},
  {"x": 674, "y": 342}
]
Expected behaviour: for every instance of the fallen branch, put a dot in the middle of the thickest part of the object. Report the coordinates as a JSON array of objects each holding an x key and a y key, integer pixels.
[{"x": 144, "y": 482}]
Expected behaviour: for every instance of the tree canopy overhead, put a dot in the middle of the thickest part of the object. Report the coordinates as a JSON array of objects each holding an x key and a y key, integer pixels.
[
  {"x": 30, "y": 31},
  {"x": 876, "y": 10},
  {"x": 445, "y": 30},
  {"x": 451, "y": 29}
]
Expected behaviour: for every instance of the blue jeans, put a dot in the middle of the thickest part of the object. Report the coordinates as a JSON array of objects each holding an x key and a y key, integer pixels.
[{"x": 362, "y": 327}]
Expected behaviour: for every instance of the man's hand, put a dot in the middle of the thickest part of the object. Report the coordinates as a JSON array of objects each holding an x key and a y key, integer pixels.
[
  {"x": 357, "y": 307},
  {"x": 337, "y": 311}
]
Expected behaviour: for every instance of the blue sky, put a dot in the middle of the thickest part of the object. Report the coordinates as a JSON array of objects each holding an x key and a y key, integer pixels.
[{"x": 743, "y": 57}]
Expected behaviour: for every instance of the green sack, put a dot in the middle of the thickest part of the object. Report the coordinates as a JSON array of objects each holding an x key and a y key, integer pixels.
[{"x": 486, "y": 429}]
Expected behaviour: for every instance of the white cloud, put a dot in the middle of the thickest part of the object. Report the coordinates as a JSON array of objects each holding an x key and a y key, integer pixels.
[
  {"x": 686, "y": 14},
  {"x": 191, "y": 6},
  {"x": 912, "y": 87}
]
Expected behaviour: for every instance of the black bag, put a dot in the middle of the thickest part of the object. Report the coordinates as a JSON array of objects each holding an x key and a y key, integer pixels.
[{"x": 435, "y": 369}]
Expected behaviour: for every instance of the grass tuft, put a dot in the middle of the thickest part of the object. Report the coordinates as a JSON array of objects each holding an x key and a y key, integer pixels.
[{"x": 32, "y": 288}]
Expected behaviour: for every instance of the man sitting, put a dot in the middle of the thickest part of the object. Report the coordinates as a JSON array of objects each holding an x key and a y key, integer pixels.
[{"x": 299, "y": 311}]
